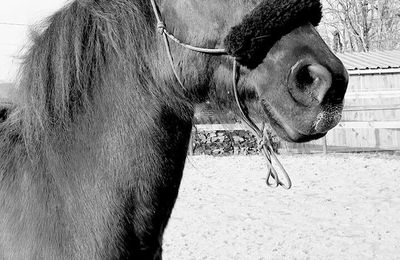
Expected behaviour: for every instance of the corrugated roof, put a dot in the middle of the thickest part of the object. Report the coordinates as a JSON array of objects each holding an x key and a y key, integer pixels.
[{"x": 370, "y": 60}]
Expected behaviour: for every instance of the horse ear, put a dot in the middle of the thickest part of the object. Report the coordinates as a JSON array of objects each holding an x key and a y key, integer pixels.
[{"x": 250, "y": 41}]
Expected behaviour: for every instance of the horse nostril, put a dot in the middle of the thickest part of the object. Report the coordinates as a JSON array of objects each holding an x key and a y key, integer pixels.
[
  {"x": 314, "y": 80},
  {"x": 304, "y": 78}
]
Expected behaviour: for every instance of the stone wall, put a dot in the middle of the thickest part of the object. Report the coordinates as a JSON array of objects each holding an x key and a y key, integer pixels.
[{"x": 224, "y": 142}]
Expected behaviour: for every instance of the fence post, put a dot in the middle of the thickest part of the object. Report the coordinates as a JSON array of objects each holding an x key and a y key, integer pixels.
[
  {"x": 192, "y": 135},
  {"x": 325, "y": 145}
]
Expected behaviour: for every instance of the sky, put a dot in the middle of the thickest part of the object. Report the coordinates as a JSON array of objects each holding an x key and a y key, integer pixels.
[{"x": 15, "y": 18}]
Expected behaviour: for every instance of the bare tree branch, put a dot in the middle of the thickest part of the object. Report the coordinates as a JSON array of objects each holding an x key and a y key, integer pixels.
[{"x": 362, "y": 25}]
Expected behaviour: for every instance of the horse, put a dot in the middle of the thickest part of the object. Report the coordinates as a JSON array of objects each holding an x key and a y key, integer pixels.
[{"x": 93, "y": 147}]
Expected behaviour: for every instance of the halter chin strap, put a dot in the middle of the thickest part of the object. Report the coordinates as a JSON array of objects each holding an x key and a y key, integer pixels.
[{"x": 265, "y": 145}]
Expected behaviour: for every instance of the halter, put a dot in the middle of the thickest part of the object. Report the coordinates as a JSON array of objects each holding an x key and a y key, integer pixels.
[{"x": 264, "y": 141}]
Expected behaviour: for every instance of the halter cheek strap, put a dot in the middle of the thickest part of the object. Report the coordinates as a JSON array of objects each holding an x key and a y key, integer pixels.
[{"x": 265, "y": 145}]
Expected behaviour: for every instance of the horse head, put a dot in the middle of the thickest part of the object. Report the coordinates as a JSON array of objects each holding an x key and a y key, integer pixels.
[{"x": 288, "y": 72}]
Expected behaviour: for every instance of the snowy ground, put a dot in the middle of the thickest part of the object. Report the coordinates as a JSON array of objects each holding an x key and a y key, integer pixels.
[{"x": 341, "y": 206}]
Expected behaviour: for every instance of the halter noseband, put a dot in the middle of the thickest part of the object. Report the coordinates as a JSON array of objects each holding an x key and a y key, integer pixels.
[{"x": 264, "y": 141}]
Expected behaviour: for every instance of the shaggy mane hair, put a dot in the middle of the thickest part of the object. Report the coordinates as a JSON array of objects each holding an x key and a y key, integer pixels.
[
  {"x": 83, "y": 53},
  {"x": 250, "y": 41}
]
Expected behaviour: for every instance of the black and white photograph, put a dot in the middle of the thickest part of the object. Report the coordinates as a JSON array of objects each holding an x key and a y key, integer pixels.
[{"x": 199, "y": 129}]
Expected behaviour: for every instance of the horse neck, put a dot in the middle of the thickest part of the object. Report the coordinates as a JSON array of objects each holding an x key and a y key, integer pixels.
[{"x": 203, "y": 24}]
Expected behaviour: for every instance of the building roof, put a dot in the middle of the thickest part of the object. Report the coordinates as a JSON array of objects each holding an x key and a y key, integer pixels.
[{"x": 371, "y": 60}]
